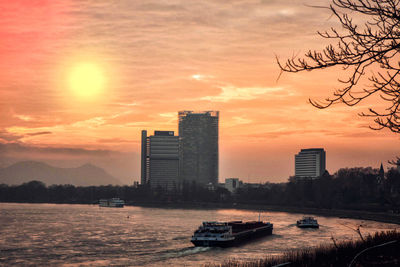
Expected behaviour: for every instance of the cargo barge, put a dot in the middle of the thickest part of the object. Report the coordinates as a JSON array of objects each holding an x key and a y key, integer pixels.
[
  {"x": 111, "y": 203},
  {"x": 226, "y": 234}
]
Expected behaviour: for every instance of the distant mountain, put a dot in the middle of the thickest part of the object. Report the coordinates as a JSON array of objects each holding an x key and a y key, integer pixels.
[{"x": 26, "y": 171}]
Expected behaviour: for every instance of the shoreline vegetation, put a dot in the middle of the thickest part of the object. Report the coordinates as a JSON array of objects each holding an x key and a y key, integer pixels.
[
  {"x": 357, "y": 193},
  {"x": 379, "y": 249}
]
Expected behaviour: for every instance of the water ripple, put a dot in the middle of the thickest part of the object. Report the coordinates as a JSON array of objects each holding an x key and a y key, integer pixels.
[{"x": 70, "y": 235}]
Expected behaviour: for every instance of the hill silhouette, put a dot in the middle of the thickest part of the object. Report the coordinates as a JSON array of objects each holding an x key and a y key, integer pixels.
[{"x": 85, "y": 175}]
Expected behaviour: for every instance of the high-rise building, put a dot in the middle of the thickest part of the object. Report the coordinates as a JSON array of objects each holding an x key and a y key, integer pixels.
[
  {"x": 310, "y": 162},
  {"x": 160, "y": 159},
  {"x": 144, "y": 159},
  {"x": 198, "y": 135}
]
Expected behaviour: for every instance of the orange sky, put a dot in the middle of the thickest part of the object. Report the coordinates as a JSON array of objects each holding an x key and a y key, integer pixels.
[{"x": 156, "y": 58}]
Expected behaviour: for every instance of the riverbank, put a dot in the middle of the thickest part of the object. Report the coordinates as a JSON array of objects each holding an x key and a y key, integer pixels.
[
  {"x": 380, "y": 249},
  {"x": 385, "y": 217}
]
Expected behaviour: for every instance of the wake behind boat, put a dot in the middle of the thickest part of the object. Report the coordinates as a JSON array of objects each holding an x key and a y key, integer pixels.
[
  {"x": 307, "y": 222},
  {"x": 225, "y": 234}
]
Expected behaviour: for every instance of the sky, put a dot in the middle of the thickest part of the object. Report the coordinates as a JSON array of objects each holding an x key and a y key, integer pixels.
[{"x": 79, "y": 80}]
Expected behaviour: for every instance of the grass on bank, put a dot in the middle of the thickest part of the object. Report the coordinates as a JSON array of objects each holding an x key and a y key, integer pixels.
[{"x": 379, "y": 249}]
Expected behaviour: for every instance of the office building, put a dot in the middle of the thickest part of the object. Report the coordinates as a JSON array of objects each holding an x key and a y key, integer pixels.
[
  {"x": 232, "y": 184},
  {"x": 143, "y": 159},
  {"x": 198, "y": 135},
  {"x": 160, "y": 159},
  {"x": 310, "y": 163}
]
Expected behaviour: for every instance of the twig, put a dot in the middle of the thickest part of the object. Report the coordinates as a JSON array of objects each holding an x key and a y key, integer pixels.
[
  {"x": 334, "y": 242},
  {"x": 282, "y": 264},
  {"x": 381, "y": 245}
]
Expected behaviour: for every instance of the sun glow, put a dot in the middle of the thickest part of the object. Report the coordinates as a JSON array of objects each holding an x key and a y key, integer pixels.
[{"x": 86, "y": 80}]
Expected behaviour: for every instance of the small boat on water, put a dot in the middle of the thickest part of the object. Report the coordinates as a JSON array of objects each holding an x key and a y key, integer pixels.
[
  {"x": 226, "y": 234},
  {"x": 307, "y": 222},
  {"x": 112, "y": 203}
]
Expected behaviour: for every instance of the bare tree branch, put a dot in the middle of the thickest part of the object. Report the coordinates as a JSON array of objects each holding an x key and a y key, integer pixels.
[{"x": 360, "y": 48}]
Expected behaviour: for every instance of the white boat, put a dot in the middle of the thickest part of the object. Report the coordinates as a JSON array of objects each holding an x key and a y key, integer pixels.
[
  {"x": 112, "y": 203},
  {"x": 307, "y": 222},
  {"x": 225, "y": 234}
]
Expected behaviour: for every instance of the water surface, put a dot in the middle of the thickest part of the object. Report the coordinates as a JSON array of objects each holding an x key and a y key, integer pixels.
[{"x": 54, "y": 234}]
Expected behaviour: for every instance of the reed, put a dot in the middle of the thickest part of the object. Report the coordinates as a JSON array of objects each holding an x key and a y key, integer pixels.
[{"x": 379, "y": 249}]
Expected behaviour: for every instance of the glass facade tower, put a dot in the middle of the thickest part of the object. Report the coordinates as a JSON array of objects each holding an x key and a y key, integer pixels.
[{"x": 198, "y": 141}]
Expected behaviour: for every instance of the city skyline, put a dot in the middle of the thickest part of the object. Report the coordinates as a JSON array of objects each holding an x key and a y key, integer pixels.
[
  {"x": 199, "y": 133},
  {"x": 144, "y": 61},
  {"x": 168, "y": 161}
]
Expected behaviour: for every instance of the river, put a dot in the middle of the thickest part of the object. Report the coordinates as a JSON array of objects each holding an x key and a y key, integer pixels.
[{"x": 70, "y": 235}]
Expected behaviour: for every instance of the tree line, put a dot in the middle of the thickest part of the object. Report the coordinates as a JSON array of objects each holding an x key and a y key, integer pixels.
[{"x": 349, "y": 188}]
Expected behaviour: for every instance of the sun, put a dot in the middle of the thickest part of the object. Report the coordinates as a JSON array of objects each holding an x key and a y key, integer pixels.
[{"x": 86, "y": 80}]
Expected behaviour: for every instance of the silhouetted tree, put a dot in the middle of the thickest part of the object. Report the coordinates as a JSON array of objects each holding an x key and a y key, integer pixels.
[
  {"x": 324, "y": 191},
  {"x": 349, "y": 188},
  {"x": 392, "y": 189},
  {"x": 369, "y": 41}
]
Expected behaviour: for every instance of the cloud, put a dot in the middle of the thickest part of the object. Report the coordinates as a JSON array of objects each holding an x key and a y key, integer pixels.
[
  {"x": 169, "y": 118},
  {"x": 7, "y": 136},
  {"x": 231, "y": 92},
  {"x": 90, "y": 123},
  {"x": 287, "y": 132},
  {"x": 365, "y": 134},
  {"x": 38, "y": 133},
  {"x": 23, "y": 117},
  {"x": 119, "y": 115},
  {"x": 99, "y": 121},
  {"x": 116, "y": 140},
  {"x": 11, "y": 148},
  {"x": 133, "y": 104},
  {"x": 201, "y": 77},
  {"x": 241, "y": 120},
  {"x": 169, "y": 115},
  {"x": 330, "y": 133},
  {"x": 136, "y": 124}
]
